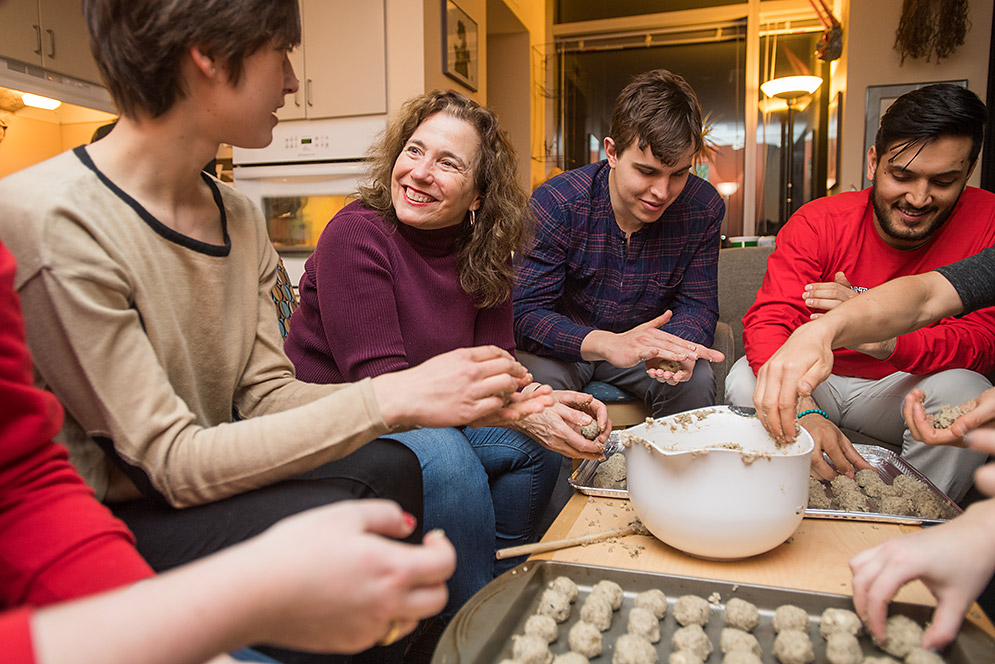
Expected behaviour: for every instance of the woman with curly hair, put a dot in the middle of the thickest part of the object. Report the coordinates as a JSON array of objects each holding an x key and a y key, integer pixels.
[{"x": 421, "y": 265}]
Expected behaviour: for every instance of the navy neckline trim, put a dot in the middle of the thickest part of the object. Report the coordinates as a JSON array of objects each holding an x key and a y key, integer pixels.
[{"x": 156, "y": 225}]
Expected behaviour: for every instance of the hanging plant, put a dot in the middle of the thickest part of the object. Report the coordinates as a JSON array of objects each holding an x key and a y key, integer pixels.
[{"x": 931, "y": 26}]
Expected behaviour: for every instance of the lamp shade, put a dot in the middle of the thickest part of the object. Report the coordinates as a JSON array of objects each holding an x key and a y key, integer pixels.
[
  {"x": 789, "y": 87},
  {"x": 37, "y": 101}
]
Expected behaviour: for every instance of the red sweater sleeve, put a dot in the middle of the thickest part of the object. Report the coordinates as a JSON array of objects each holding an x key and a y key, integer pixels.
[
  {"x": 56, "y": 541},
  {"x": 836, "y": 234}
]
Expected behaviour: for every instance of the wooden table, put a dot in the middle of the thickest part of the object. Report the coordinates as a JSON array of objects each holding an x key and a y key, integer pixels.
[{"x": 814, "y": 558}]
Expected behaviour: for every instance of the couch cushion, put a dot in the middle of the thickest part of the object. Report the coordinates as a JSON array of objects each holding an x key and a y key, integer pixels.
[{"x": 741, "y": 272}]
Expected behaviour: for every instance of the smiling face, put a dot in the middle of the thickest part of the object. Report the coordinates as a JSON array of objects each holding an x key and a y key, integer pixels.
[
  {"x": 916, "y": 187},
  {"x": 267, "y": 77},
  {"x": 641, "y": 186},
  {"x": 433, "y": 182}
]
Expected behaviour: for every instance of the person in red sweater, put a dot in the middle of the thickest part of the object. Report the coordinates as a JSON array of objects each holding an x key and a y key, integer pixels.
[
  {"x": 341, "y": 587},
  {"x": 918, "y": 215}
]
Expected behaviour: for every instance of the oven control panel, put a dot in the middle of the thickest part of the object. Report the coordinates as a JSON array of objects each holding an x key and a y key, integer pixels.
[{"x": 296, "y": 141}]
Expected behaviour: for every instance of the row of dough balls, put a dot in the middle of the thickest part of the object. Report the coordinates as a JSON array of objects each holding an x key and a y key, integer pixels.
[{"x": 690, "y": 644}]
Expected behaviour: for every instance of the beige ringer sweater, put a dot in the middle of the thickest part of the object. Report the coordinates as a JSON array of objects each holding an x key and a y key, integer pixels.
[{"x": 150, "y": 338}]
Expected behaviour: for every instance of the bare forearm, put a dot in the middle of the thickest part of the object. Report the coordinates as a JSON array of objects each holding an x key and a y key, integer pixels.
[
  {"x": 189, "y": 615},
  {"x": 894, "y": 308}
]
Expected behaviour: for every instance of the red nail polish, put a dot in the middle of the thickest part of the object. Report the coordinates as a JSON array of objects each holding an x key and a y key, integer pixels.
[{"x": 410, "y": 520}]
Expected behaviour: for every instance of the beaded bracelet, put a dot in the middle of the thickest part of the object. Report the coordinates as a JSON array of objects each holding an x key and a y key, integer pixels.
[{"x": 810, "y": 411}]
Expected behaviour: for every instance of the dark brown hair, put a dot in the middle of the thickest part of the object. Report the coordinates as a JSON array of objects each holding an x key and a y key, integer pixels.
[
  {"x": 660, "y": 110},
  {"x": 931, "y": 112},
  {"x": 504, "y": 219},
  {"x": 139, "y": 44}
]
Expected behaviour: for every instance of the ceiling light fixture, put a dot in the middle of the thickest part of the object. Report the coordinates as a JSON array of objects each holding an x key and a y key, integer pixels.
[{"x": 37, "y": 101}]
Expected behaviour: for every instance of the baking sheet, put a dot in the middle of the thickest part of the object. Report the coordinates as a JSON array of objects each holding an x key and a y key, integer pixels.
[
  {"x": 481, "y": 632},
  {"x": 888, "y": 464}
]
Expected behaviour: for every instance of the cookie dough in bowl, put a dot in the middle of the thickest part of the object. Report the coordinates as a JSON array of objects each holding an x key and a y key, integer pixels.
[{"x": 713, "y": 483}]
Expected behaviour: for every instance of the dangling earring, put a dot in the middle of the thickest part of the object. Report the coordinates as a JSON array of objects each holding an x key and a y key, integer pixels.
[{"x": 473, "y": 217}]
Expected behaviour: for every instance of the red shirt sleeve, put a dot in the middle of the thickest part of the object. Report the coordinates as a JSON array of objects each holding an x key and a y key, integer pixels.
[{"x": 56, "y": 541}]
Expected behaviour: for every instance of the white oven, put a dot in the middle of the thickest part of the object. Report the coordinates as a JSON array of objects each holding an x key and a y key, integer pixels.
[{"x": 304, "y": 177}]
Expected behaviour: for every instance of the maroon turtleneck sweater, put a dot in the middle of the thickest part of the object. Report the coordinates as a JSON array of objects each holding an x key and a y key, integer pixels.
[{"x": 375, "y": 298}]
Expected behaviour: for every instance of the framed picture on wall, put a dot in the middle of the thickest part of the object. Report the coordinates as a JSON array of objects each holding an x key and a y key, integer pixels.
[
  {"x": 879, "y": 98},
  {"x": 460, "y": 54}
]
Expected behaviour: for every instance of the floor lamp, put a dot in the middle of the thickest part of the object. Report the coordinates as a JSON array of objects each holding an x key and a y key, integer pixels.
[
  {"x": 726, "y": 189},
  {"x": 790, "y": 88}
]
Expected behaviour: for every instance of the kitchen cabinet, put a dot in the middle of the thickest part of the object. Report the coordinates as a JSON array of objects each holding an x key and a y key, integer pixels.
[
  {"x": 342, "y": 60},
  {"x": 50, "y": 34}
]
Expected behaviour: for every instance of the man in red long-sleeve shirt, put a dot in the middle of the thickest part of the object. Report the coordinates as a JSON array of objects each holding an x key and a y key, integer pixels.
[{"x": 919, "y": 215}]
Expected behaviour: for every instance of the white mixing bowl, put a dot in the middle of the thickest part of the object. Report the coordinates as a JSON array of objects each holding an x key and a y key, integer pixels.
[{"x": 713, "y": 483}]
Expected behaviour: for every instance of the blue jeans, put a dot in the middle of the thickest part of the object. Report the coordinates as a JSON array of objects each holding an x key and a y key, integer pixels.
[{"x": 487, "y": 488}]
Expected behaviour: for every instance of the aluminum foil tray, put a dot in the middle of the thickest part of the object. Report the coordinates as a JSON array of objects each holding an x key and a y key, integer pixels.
[
  {"x": 481, "y": 632},
  {"x": 888, "y": 464}
]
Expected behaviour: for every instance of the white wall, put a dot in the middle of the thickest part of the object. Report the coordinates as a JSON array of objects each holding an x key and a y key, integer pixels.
[{"x": 870, "y": 59}]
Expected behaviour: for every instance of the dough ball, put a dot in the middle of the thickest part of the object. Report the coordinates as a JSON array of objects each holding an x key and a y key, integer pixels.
[
  {"x": 901, "y": 635},
  {"x": 880, "y": 489},
  {"x": 530, "y": 650},
  {"x": 571, "y": 658},
  {"x": 554, "y": 604},
  {"x": 844, "y": 484},
  {"x": 927, "y": 506},
  {"x": 817, "y": 498},
  {"x": 908, "y": 485},
  {"x": 741, "y": 657},
  {"x": 866, "y": 476},
  {"x": 896, "y": 505},
  {"x": 585, "y": 638},
  {"x": 591, "y": 430},
  {"x": 610, "y": 473},
  {"x": 684, "y": 657},
  {"x": 611, "y": 591},
  {"x": 947, "y": 416},
  {"x": 673, "y": 366},
  {"x": 654, "y": 600},
  {"x": 643, "y": 623},
  {"x": 692, "y": 610},
  {"x": 880, "y": 660},
  {"x": 741, "y": 614},
  {"x": 632, "y": 649},
  {"x": 793, "y": 647},
  {"x": 597, "y": 611},
  {"x": 853, "y": 502},
  {"x": 843, "y": 648},
  {"x": 692, "y": 638},
  {"x": 542, "y": 626},
  {"x": 789, "y": 616},
  {"x": 733, "y": 639},
  {"x": 839, "y": 620},
  {"x": 566, "y": 586},
  {"x": 919, "y": 656}
]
